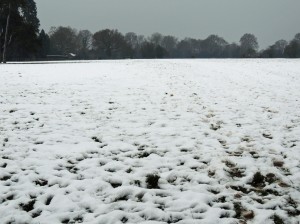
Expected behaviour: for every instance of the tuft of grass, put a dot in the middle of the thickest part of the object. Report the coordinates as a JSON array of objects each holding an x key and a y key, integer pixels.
[
  {"x": 124, "y": 220},
  {"x": 78, "y": 219},
  {"x": 290, "y": 201},
  {"x": 248, "y": 214},
  {"x": 294, "y": 211},
  {"x": 266, "y": 135},
  {"x": 10, "y": 197},
  {"x": 229, "y": 164},
  {"x": 140, "y": 197},
  {"x": 36, "y": 214},
  {"x": 65, "y": 220},
  {"x": 278, "y": 163},
  {"x": 5, "y": 178},
  {"x": 41, "y": 182},
  {"x": 241, "y": 189},
  {"x": 143, "y": 154},
  {"x": 152, "y": 181},
  {"x": 266, "y": 192},
  {"x": 116, "y": 185},
  {"x": 12, "y": 111},
  {"x": 236, "y": 172},
  {"x": 96, "y": 139},
  {"x": 137, "y": 183},
  {"x": 258, "y": 180},
  {"x": 225, "y": 215},
  {"x": 211, "y": 173},
  {"x": 121, "y": 198},
  {"x": 215, "y": 127},
  {"x": 277, "y": 219},
  {"x": 214, "y": 191},
  {"x": 28, "y": 206},
  {"x": 49, "y": 199},
  {"x": 271, "y": 178},
  {"x": 238, "y": 209},
  {"x": 221, "y": 199}
]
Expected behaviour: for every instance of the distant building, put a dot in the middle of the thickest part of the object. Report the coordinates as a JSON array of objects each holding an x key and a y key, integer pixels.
[{"x": 68, "y": 56}]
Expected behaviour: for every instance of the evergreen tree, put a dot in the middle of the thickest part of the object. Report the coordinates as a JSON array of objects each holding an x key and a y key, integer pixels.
[
  {"x": 44, "y": 44},
  {"x": 19, "y": 26}
]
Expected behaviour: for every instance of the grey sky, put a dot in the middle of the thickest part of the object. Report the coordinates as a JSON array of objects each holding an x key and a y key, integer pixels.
[{"x": 269, "y": 20}]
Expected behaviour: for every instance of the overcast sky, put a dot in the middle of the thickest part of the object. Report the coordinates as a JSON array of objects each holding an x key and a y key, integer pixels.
[{"x": 269, "y": 20}]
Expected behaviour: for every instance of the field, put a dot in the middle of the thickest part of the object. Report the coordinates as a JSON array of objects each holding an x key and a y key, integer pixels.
[{"x": 150, "y": 141}]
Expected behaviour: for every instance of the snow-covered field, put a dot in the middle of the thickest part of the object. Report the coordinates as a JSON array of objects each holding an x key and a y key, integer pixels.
[{"x": 157, "y": 141}]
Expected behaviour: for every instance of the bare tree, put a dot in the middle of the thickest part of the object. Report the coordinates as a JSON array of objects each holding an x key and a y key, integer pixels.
[
  {"x": 169, "y": 43},
  {"x": 110, "y": 44},
  {"x": 292, "y": 50},
  {"x": 213, "y": 46},
  {"x": 85, "y": 39},
  {"x": 156, "y": 38},
  {"x": 279, "y": 47},
  {"x": 63, "y": 40},
  {"x": 249, "y": 45},
  {"x": 132, "y": 39},
  {"x": 297, "y": 37}
]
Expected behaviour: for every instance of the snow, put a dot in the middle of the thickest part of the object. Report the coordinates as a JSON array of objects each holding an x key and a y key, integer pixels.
[{"x": 78, "y": 140}]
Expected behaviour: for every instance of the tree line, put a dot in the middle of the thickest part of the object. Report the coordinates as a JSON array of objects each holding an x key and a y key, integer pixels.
[
  {"x": 20, "y": 39},
  {"x": 111, "y": 44}
]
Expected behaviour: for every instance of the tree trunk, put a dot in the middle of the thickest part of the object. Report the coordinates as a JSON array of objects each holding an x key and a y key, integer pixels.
[
  {"x": 6, "y": 36},
  {"x": 1, "y": 31}
]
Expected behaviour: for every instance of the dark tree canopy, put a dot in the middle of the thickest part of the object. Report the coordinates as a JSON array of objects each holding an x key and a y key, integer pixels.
[
  {"x": 214, "y": 46},
  {"x": 292, "y": 50},
  {"x": 22, "y": 30},
  {"x": 169, "y": 43},
  {"x": 63, "y": 41},
  {"x": 110, "y": 44},
  {"x": 276, "y": 50},
  {"x": 44, "y": 44},
  {"x": 297, "y": 37},
  {"x": 249, "y": 45}
]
